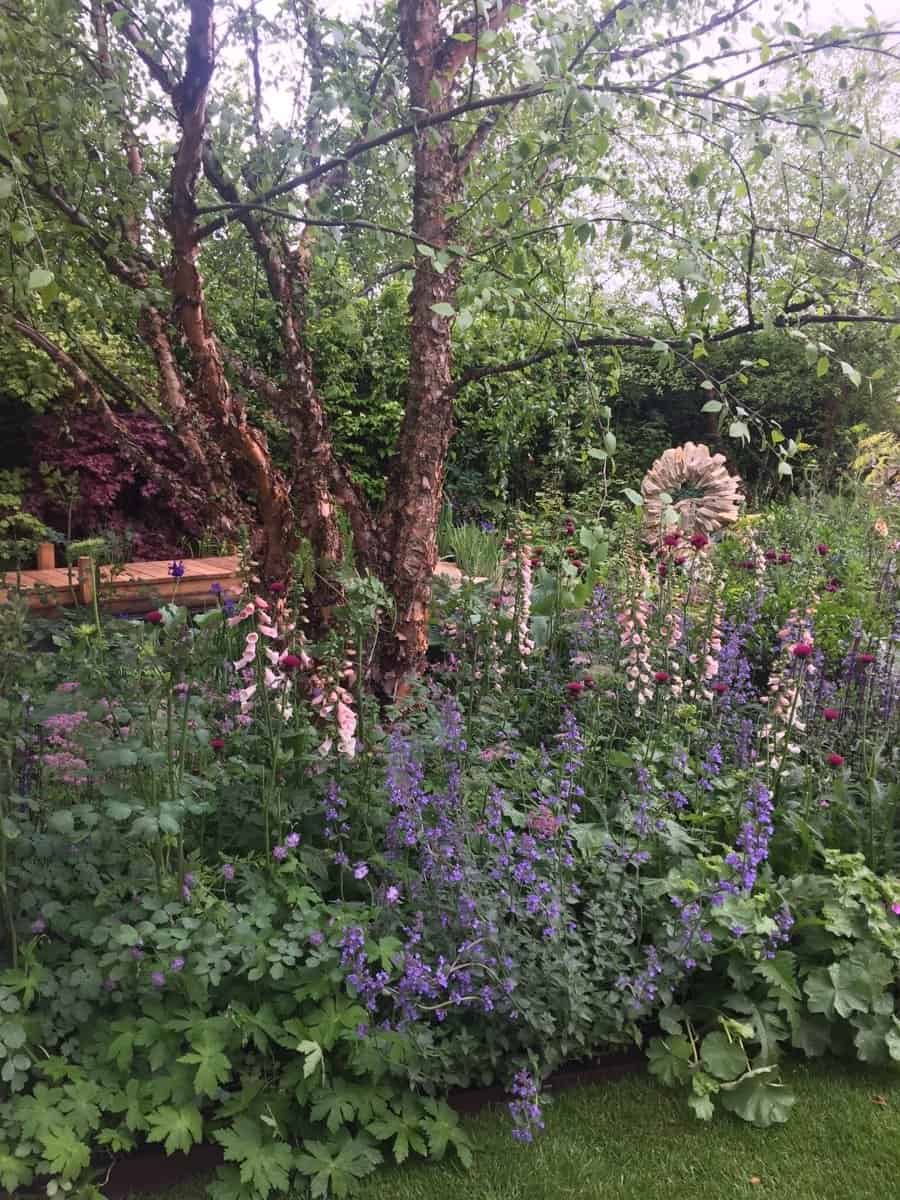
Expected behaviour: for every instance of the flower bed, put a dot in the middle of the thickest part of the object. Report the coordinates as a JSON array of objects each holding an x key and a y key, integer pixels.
[{"x": 641, "y": 797}]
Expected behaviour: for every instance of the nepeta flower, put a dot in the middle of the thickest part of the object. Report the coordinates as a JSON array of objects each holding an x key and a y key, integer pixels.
[
  {"x": 279, "y": 853},
  {"x": 176, "y": 570},
  {"x": 216, "y": 588},
  {"x": 158, "y": 979},
  {"x": 392, "y": 895},
  {"x": 360, "y": 871},
  {"x": 228, "y": 872},
  {"x": 109, "y": 985},
  {"x": 292, "y": 840},
  {"x": 137, "y": 953},
  {"x": 177, "y": 964},
  {"x": 39, "y": 925}
]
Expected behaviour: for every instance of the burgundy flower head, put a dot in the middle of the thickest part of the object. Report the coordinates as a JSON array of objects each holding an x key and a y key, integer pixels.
[
  {"x": 801, "y": 650},
  {"x": 831, "y": 714},
  {"x": 822, "y": 549},
  {"x": 289, "y": 662},
  {"x": 835, "y": 760},
  {"x": 154, "y": 617},
  {"x": 217, "y": 743},
  {"x": 575, "y": 687},
  {"x": 699, "y": 541},
  {"x": 662, "y": 676}
]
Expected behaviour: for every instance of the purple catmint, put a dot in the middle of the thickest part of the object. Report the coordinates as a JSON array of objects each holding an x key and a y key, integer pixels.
[
  {"x": 228, "y": 872},
  {"x": 525, "y": 1108},
  {"x": 292, "y": 841},
  {"x": 158, "y": 979}
]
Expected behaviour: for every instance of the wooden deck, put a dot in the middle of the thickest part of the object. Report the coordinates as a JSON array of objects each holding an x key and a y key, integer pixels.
[{"x": 137, "y": 587}]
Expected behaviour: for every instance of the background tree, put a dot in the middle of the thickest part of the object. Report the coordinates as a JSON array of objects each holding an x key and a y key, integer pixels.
[{"x": 463, "y": 149}]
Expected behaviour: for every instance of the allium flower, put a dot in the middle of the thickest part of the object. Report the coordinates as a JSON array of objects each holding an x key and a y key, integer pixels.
[
  {"x": 279, "y": 853},
  {"x": 833, "y": 585},
  {"x": 785, "y": 557},
  {"x": 719, "y": 688},
  {"x": 154, "y": 617},
  {"x": 228, "y": 872},
  {"x": 671, "y": 539},
  {"x": 276, "y": 588},
  {"x": 865, "y": 660},
  {"x": 771, "y": 555},
  {"x": 822, "y": 549},
  {"x": 177, "y": 964},
  {"x": 290, "y": 662},
  {"x": 699, "y": 541},
  {"x": 39, "y": 925},
  {"x": 801, "y": 650},
  {"x": 158, "y": 979},
  {"x": 831, "y": 714},
  {"x": 217, "y": 743},
  {"x": 68, "y": 687},
  {"x": 835, "y": 760},
  {"x": 176, "y": 569},
  {"x": 361, "y": 870},
  {"x": 575, "y": 687},
  {"x": 662, "y": 570},
  {"x": 895, "y": 909},
  {"x": 292, "y": 840},
  {"x": 661, "y": 676}
]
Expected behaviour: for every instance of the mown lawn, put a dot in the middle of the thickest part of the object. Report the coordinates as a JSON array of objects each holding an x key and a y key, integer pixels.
[{"x": 633, "y": 1140}]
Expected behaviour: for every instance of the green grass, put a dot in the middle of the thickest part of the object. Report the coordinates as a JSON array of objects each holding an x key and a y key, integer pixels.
[{"x": 633, "y": 1140}]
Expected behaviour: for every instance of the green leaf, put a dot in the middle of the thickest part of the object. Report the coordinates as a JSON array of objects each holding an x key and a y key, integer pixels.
[
  {"x": 38, "y": 278},
  {"x": 635, "y": 497},
  {"x": 335, "y": 1170},
  {"x": 64, "y": 1153},
  {"x": 6, "y": 186},
  {"x": 213, "y": 1067},
  {"x": 739, "y": 429},
  {"x": 852, "y": 374},
  {"x": 842, "y": 989},
  {"x": 712, "y": 406},
  {"x": 443, "y": 309},
  {"x": 757, "y": 1099},
  {"x": 780, "y": 973},
  {"x": 702, "y": 1106},
  {"x": 722, "y": 1058},
  {"x": 264, "y": 1163},
  {"x": 404, "y": 1127},
  {"x": 442, "y": 1129},
  {"x": 178, "y": 1128},
  {"x": 669, "y": 1059},
  {"x": 15, "y": 1172},
  {"x": 822, "y": 365}
]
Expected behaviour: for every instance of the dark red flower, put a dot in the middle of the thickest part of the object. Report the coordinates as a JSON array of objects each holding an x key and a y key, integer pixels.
[
  {"x": 154, "y": 617},
  {"x": 589, "y": 683},
  {"x": 217, "y": 744},
  {"x": 865, "y": 659},
  {"x": 276, "y": 587},
  {"x": 801, "y": 650},
  {"x": 662, "y": 677},
  {"x": 577, "y": 563},
  {"x": 835, "y": 760},
  {"x": 771, "y": 556},
  {"x": 575, "y": 687},
  {"x": 822, "y": 549},
  {"x": 699, "y": 541},
  {"x": 785, "y": 557},
  {"x": 719, "y": 688},
  {"x": 831, "y": 714},
  {"x": 289, "y": 662},
  {"x": 680, "y": 560},
  {"x": 833, "y": 585},
  {"x": 748, "y": 564},
  {"x": 671, "y": 539},
  {"x": 662, "y": 570}
]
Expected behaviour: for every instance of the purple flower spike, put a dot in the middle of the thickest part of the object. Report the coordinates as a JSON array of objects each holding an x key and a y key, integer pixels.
[{"x": 158, "y": 979}]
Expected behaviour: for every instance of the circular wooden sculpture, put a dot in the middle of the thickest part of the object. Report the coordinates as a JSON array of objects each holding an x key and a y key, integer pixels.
[{"x": 703, "y": 493}]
